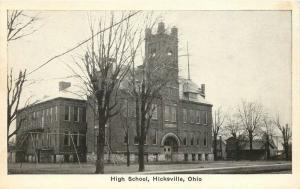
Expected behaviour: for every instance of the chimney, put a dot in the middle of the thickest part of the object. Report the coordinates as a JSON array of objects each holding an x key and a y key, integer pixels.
[
  {"x": 161, "y": 28},
  {"x": 203, "y": 90},
  {"x": 63, "y": 85}
]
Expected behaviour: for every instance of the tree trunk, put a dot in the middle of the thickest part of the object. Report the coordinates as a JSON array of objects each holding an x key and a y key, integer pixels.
[
  {"x": 109, "y": 143},
  {"x": 141, "y": 148},
  {"x": 237, "y": 147},
  {"x": 215, "y": 146},
  {"x": 100, "y": 147},
  {"x": 250, "y": 145},
  {"x": 128, "y": 152},
  {"x": 142, "y": 139},
  {"x": 141, "y": 158},
  {"x": 267, "y": 148},
  {"x": 286, "y": 150}
]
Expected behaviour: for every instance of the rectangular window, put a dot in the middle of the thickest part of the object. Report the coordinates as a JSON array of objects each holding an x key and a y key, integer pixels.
[
  {"x": 205, "y": 139},
  {"x": 205, "y": 118},
  {"x": 125, "y": 138},
  {"x": 193, "y": 157},
  {"x": 136, "y": 140},
  {"x": 170, "y": 113},
  {"x": 49, "y": 139},
  {"x": 173, "y": 114},
  {"x": 82, "y": 140},
  {"x": 186, "y": 157},
  {"x": 154, "y": 138},
  {"x": 83, "y": 115},
  {"x": 185, "y": 115},
  {"x": 51, "y": 110},
  {"x": 154, "y": 111},
  {"x": 192, "y": 141},
  {"x": 55, "y": 113},
  {"x": 76, "y": 114},
  {"x": 198, "y": 119},
  {"x": 192, "y": 116},
  {"x": 43, "y": 118},
  {"x": 66, "y": 139},
  {"x": 146, "y": 140},
  {"x": 67, "y": 113},
  {"x": 167, "y": 113}
]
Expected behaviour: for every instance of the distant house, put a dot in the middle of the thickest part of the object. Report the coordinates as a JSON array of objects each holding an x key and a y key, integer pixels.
[
  {"x": 240, "y": 149},
  {"x": 11, "y": 155},
  {"x": 221, "y": 150}
]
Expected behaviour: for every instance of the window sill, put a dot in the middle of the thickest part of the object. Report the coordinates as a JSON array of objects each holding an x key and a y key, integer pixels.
[{"x": 170, "y": 121}]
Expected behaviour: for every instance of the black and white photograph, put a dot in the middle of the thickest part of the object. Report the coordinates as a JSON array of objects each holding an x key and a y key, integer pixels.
[{"x": 149, "y": 95}]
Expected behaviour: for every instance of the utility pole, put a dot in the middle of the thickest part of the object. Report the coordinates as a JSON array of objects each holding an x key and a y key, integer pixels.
[{"x": 188, "y": 58}]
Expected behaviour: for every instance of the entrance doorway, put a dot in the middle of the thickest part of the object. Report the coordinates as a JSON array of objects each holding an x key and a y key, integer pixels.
[
  {"x": 168, "y": 153},
  {"x": 170, "y": 148}
]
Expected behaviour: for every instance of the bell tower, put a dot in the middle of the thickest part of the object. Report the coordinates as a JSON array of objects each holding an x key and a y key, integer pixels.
[{"x": 161, "y": 51}]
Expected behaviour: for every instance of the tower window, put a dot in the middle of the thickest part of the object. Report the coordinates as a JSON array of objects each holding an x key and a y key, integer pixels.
[{"x": 153, "y": 52}]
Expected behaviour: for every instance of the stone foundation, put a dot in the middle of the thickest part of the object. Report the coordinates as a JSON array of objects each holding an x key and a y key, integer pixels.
[{"x": 121, "y": 158}]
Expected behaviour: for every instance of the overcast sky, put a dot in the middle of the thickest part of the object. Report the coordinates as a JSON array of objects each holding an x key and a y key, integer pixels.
[{"x": 237, "y": 54}]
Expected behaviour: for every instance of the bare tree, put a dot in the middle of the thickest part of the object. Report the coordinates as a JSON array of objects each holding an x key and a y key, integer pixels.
[
  {"x": 233, "y": 127},
  {"x": 218, "y": 120},
  {"x": 19, "y": 25},
  {"x": 250, "y": 114},
  {"x": 105, "y": 64},
  {"x": 286, "y": 132},
  {"x": 14, "y": 91},
  {"x": 268, "y": 130}
]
